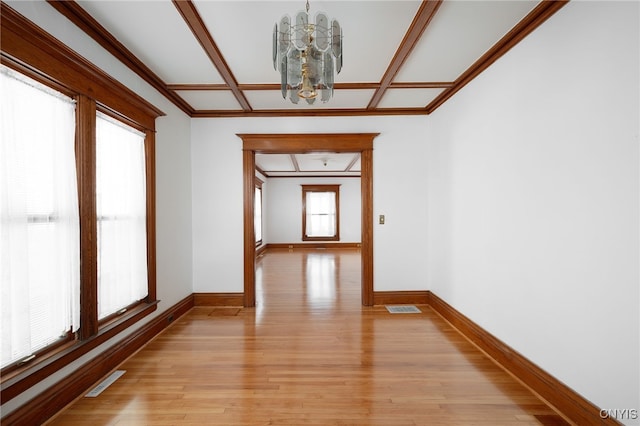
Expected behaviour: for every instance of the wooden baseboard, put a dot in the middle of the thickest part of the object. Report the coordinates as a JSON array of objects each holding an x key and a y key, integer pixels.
[
  {"x": 312, "y": 245},
  {"x": 261, "y": 249},
  {"x": 565, "y": 400},
  {"x": 218, "y": 299},
  {"x": 49, "y": 402},
  {"x": 400, "y": 297}
]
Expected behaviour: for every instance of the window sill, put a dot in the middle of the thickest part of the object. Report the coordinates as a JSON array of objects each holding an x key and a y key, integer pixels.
[
  {"x": 305, "y": 238},
  {"x": 20, "y": 380}
]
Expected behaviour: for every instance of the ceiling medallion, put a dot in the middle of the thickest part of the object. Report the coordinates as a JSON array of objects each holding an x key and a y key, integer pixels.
[{"x": 304, "y": 54}]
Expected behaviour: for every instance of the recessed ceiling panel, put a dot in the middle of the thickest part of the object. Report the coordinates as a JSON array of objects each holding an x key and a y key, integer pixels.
[
  {"x": 208, "y": 100},
  {"x": 243, "y": 32},
  {"x": 324, "y": 162},
  {"x": 410, "y": 98},
  {"x": 156, "y": 33},
  {"x": 275, "y": 163},
  {"x": 460, "y": 33},
  {"x": 342, "y": 98},
  {"x": 357, "y": 165}
]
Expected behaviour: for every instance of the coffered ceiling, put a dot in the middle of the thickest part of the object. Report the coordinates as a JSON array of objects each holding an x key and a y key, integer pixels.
[
  {"x": 213, "y": 58},
  {"x": 316, "y": 164}
]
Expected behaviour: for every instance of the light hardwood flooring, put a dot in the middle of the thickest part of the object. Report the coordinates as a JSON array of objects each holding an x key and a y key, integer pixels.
[{"x": 309, "y": 353}]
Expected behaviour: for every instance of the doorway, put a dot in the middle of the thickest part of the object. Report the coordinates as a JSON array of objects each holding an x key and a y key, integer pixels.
[{"x": 308, "y": 143}]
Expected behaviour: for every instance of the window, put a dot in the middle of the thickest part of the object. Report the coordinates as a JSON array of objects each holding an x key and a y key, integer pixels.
[
  {"x": 257, "y": 214},
  {"x": 121, "y": 215},
  {"x": 53, "y": 68},
  {"x": 39, "y": 228},
  {"x": 74, "y": 185},
  {"x": 320, "y": 212}
]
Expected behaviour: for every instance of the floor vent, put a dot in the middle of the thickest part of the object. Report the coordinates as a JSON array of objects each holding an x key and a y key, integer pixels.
[
  {"x": 105, "y": 384},
  {"x": 403, "y": 309}
]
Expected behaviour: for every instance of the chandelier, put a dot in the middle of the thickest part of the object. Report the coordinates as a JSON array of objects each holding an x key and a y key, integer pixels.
[{"x": 304, "y": 53}]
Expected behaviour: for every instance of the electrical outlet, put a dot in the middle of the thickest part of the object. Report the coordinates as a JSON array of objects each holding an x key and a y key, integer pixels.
[{"x": 381, "y": 219}]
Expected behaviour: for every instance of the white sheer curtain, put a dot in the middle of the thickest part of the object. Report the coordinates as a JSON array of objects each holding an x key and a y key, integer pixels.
[
  {"x": 121, "y": 210},
  {"x": 39, "y": 228},
  {"x": 320, "y": 209}
]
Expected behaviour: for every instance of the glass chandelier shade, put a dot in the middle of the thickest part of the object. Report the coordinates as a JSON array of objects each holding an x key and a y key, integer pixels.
[{"x": 307, "y": 55}]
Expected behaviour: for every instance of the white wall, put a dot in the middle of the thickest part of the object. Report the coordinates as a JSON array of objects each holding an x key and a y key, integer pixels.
[
  {"x": 533, "y": 189},
  {"x": 398, "y": 176},
  {"x": 173, "y": 179},
  {"x": 285, "y": 208}
]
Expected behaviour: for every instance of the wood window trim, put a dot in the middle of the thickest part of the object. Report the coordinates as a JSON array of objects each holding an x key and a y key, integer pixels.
[
  {"x": 320, "y": 188},
  {"x": 29, "y": 50}
]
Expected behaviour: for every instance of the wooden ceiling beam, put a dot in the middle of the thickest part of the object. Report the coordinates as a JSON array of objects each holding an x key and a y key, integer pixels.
[
  {"x": 421, "y": 21},
  {"x": 193, "y": 19}
]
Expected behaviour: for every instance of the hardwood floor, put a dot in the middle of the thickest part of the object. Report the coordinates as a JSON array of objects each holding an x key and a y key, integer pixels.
[{"x": 309, "y": 353}]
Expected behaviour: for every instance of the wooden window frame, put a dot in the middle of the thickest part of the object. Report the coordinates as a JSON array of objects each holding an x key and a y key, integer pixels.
[
  {"x": 320, "y": 188},
  {"x": 30, "y": 50}
]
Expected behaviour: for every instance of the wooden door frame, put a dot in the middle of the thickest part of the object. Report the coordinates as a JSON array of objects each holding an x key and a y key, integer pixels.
[{"x": 301, "y": 143}]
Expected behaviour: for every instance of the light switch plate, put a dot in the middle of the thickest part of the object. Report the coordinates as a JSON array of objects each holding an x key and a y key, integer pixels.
[{"x": 381, "y": 220}]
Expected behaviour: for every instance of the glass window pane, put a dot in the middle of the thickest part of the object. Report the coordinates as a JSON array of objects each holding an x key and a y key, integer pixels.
[
  {"x": 39, "y": 227},
  {"x": 320, "y": 214},
  {"x": 257, "y": 217},
  {"x": 121, "y": 211}
]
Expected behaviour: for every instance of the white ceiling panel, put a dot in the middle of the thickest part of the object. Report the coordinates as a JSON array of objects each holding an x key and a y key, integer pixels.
[
  {"x": 357, "y": 166},
  {"x": 372, "y": 31},
  {"x": 411, "y": 98},
  {"x": 275, "y": 162},
  {"x": 461, "y": 33},
  {"x": 156, "y": 33},
  {"x": 312, "y": 164},
  {"x": 210, "y": 99},
  {"x": 344, "y": 98},
  {"x": 324, "y": 162}
]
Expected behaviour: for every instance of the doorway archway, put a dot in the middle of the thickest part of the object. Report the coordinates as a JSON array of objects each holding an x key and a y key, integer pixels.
[{"x": 301, "y": 143}]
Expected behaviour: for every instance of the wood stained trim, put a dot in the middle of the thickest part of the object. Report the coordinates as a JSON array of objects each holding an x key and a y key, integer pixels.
[
  {"x": 150, "y": 158},
  {"x": 249, "y": 174},
  {"x": 325, "y": 112},
  {"x": 86, "y": 167},
  {"x": 218, "y": 299},
  {"x": 564, "y": 399},
  {"x": 315, "y": 245},
  {"x": 400, "y": 297},
  {"x": 366, "y": 190},
  {"x": 295, "y": 143}
]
